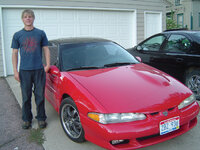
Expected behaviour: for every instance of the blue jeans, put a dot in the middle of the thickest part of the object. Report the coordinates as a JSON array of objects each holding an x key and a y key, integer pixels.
[{"x": 33, "y": 80}]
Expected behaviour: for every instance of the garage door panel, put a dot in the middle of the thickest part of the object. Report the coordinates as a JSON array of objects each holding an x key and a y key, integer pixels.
[
  {"x": 153, "y": 23},
  {"x": 111, "y": 19},
  {"x": 111, "y": 30},
  {"x": 84, "y": 30},
  {"x": 98, "y": 31},
  {"x": 83, "y": 17},
  {"x": 124, "y": 18},
  {"x": 51, "y": 31},
  {"x": 11, "y": 30},
  {"x": 58, "y": 23},
  {"x": 67, "y": 16},
  {"x": 67, "y": 31},
  {"x": 9, "y": 16},
  {"x": 97, "y": 17},
  {"x": 49, "y": 14}
]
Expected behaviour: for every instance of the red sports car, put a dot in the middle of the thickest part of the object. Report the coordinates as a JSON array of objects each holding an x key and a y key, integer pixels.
[{"x": 106, "y": 96}]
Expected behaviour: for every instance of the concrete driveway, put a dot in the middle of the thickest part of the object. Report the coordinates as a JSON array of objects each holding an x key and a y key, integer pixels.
[{"x": 57, "y": 140}]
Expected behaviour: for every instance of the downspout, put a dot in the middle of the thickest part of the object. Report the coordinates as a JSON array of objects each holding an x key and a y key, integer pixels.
[
  {"x": 191, "y": 21},
  {"x": 191, "y": 17},
  {"x": 2, "y": 42}
]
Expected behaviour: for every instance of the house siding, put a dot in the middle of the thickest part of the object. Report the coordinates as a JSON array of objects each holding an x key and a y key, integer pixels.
[
  {"x": 1, "y": 55},
  {"x": 139, "y": 5},
  {"x": 190, "y": 11},
  {"x": 196, "y": 11}
]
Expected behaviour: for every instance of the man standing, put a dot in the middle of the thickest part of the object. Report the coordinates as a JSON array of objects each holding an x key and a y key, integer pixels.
[{"x": 31, "y": 41}]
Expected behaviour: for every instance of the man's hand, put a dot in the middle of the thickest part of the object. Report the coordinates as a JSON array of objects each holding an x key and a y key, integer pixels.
[
  {"x": 16, "y": 75},
  {"x": 46, "y": 68}
]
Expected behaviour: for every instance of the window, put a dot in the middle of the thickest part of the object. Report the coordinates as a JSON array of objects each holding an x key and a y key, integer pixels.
[
  {"x": 199, "y": 19},
  {"x": 153, "y": 44},
  {"x": 180, "y": 20},
  {"x": 54, "y": 55},
  {"x": 169, "y": 15},
  {"x": 177, "y": 2},
  {"x": 177, "y": 43}
]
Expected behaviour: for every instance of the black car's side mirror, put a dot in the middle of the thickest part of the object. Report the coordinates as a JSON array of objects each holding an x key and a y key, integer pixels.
[{"x": 139, "y": 48}]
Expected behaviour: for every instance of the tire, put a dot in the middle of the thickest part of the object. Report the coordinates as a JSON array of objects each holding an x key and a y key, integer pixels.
[
  {"x": 70, "y": 121},
  {"x": 192, "y": 81}
]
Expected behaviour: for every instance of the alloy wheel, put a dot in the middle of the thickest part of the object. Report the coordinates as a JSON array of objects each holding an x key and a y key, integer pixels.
[
  {"x": 194, "y": 85},
  {"x": 71, "y": 121}
]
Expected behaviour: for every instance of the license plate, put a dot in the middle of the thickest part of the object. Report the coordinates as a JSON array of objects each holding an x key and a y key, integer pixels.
[{"x": 169, "y": 125}]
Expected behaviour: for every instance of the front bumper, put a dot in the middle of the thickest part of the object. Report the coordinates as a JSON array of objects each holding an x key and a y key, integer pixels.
[{"x": 139, "y": 134}]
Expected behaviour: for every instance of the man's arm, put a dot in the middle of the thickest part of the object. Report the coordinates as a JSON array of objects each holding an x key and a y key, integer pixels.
[
  {"x": 15, "y": 63},
  {"x": 47, "y": 58}
]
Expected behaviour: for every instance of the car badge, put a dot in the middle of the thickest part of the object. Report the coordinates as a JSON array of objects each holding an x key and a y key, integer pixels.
[{"x": 165, "y": 113}]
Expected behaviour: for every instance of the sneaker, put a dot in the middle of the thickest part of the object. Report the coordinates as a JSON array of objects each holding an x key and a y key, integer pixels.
[
  {"x": 42, "y": 124},
  {"x": 26, "y": 125}
]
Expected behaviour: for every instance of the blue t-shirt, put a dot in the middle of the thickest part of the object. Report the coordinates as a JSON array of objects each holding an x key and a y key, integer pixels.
[{"x": 30, "y": 44}]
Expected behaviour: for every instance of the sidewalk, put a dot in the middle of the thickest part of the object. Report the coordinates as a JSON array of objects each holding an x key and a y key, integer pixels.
[{"x": 57, "y": 140}]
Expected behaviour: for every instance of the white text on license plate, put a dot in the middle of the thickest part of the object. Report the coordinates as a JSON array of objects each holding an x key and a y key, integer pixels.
[{"x": 169, "y": 125}]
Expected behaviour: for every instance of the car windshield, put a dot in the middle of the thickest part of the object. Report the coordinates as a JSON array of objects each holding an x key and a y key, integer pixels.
[{"x": 94, "y": 55}]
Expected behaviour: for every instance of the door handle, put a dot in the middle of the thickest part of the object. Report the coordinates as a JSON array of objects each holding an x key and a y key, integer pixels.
[{"x": 179, "y": 60}]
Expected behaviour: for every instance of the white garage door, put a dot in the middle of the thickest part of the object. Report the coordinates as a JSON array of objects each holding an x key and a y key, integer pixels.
[
  {"x": 153, "y": 23},
  {"x": 118, "y": 26}
]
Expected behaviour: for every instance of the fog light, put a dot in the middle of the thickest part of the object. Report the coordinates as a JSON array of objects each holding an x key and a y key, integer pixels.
[{"x": 114, "y": 142}]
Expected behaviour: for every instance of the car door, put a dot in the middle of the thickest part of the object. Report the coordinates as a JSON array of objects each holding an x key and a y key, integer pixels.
[
  {"x": 173, "y": 55},
  {"x": 53, "y": 78},
  {"x": 149, "y": 50},
  {"x": 52, "y": 85}
]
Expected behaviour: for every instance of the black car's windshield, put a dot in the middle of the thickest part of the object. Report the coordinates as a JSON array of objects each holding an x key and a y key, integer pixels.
[{"x": 94, "y": 55}]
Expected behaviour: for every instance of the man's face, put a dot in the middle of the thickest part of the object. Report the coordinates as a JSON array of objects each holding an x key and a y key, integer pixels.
[{"x": 28, "y": 19}]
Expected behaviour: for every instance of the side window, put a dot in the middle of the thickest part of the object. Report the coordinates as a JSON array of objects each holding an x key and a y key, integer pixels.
[
  {"x": 53, "y": 54},
  {"x": 177, "y": 2},
  {"x": 153, "y": 44},
  {"x": 177, "y": 43}
]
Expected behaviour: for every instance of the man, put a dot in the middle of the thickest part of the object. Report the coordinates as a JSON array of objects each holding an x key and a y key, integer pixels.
[{"x": 31, "y": 41}]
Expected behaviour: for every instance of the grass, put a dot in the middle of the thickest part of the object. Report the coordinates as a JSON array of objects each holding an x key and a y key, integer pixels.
[{"x": 37, "y": 136}]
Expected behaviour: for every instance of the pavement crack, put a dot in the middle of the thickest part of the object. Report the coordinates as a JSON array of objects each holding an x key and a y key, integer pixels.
[{"x": 13, "y": 139}]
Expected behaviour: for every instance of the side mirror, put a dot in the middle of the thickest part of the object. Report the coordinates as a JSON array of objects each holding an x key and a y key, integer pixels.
[
  {"x": 139, "y": 48},
  {"x": 139, "y": 58},
  {"x": 54, "y": 71}
]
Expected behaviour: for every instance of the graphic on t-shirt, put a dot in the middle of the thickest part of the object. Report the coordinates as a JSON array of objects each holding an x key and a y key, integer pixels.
[{"x": 29, "y": 44}]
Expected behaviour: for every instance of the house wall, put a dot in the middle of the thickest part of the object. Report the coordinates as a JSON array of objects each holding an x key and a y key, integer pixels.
[
  {"x": 1, "y": 52},
  {"x": 190, "y": 9},
  {"x": 195, "y": 12},
  {"x": 187, "y": 4},
  {"x": 139, "y": 5},
  {"x": 176, "y": 9}
]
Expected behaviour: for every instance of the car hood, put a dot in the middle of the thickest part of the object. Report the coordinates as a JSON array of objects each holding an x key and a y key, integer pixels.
[{"x": 133, "y": 88}]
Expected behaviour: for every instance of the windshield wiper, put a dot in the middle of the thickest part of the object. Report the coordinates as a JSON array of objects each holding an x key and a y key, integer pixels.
[
  {"x": 118, "y": 64},
  {"x": 83, "y": 68}
]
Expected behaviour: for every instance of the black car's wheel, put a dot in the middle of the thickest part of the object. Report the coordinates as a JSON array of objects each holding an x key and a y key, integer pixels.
[
  {"x": 70, "y": 120},
  {"x": 193, "y": 82}
]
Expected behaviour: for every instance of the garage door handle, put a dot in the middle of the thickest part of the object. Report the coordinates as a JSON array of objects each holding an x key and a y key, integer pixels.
[{"x": 179, "y": 60}]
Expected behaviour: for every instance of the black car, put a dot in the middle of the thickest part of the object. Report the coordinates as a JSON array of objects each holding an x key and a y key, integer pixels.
[{"x": 176, "y": 52}]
